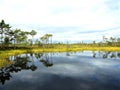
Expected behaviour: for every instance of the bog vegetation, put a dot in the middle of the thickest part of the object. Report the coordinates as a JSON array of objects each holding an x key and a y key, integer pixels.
[{"x": 18, "y": 39}]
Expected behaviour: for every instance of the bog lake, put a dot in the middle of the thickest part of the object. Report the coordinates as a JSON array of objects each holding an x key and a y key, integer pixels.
[{"x": 83, "y": 70}]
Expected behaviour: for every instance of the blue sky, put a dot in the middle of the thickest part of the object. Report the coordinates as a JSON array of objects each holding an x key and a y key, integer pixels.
[{"x": 67, "y": 20}]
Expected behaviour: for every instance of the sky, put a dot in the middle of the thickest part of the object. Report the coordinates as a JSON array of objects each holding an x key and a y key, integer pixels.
[{"x": 67, "y": 20}]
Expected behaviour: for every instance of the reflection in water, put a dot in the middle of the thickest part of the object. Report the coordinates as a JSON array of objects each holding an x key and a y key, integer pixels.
[
  {"x": 47, "y": 60},
  {"x": 88, "y": 70},
  {"x": 106, "y": 54},
  {"x": 24, "y": 62},
  {"x": 94, "y": 55},
  {"x": 118, "y": 54},
  {"x": 20, "y": 63}
]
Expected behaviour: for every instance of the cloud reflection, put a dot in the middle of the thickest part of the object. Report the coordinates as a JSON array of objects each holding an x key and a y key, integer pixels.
[{"x": 69, "y": 73}]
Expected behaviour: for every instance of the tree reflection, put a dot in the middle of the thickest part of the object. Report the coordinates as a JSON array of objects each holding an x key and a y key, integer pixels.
[
  {"x": 20, "y": 63},
  {"x": 94, "y": 55},
  {"x": 47, "y": 60},
  {"x": 106, "y": 54},
  {"x": 38, "y": 55},
  {"x": 118, "y": 54},
  {"x": 24, "y": 62}
]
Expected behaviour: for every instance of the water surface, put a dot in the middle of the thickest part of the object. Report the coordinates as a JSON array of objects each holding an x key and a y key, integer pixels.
[{"x": 85, "y": 70}]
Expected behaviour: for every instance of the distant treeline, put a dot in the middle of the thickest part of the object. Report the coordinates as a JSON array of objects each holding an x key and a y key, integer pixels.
[{"x": 17, "y": 38}]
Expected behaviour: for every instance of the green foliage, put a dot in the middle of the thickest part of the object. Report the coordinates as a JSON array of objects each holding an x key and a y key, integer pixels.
[
  {"x": 4, "y": 31},
  {"x": 6, "y": 41},
  {"x": 32, "y": 33},
  {"x": 19, "y": 38}
]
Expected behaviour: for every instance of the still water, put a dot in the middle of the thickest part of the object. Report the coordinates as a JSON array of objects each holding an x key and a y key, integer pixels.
[{"x": 85, "y": 70}]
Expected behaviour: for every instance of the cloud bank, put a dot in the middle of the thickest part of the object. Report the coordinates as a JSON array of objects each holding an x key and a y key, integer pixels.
[{"x": 67, "y": 20}]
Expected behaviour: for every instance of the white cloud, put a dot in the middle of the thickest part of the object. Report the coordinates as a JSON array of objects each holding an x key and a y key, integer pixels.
[{"x": 88, "y": 15}]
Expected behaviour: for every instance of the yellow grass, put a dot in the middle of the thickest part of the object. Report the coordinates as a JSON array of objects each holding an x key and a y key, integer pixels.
[
  {"x": 13, "y": 52},
  {"x": 4, "y": 62},
  {"x": 103, "y": 48},
  {"x": 7, "y": 53}
]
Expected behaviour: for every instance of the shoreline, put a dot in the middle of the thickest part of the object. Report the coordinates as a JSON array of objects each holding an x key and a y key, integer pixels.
[
  {"x": 33, "y": 50},
  {"x": 4, "y": 54}
]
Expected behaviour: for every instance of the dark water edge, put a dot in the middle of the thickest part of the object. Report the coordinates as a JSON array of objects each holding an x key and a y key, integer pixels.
[{"x": 85, "y": 70}]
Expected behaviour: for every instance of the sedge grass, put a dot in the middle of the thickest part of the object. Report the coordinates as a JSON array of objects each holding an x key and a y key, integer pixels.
[
  {"x": 6, "y": 53},
  {"x": 64, "y": 49},
  {"x": 4, "y": 62}
]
